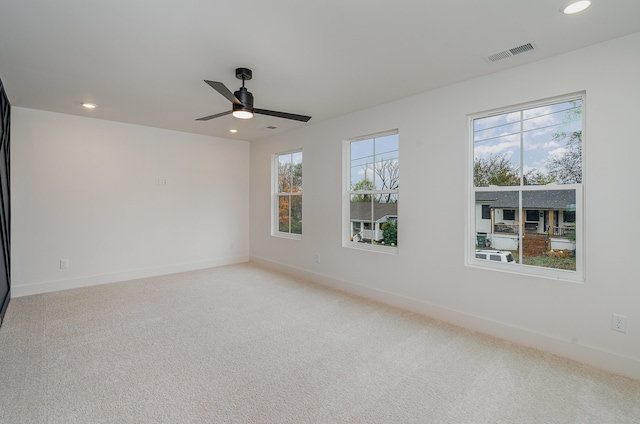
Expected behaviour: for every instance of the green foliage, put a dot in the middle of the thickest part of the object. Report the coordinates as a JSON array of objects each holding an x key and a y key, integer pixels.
[
  {"x": 495, "y": 170},
  {"x": 390, "y": 233},
  {"x": 567, "y": 168},
  {"x": 550, "y": 262},
  {"x": 362, "y": 185}
]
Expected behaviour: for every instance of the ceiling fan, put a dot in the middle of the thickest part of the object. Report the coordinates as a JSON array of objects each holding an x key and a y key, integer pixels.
[{"x": 242, "y": 101}]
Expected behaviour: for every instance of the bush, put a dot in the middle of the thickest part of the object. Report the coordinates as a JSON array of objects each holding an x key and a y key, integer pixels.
[{"x": 390, "y": 233}]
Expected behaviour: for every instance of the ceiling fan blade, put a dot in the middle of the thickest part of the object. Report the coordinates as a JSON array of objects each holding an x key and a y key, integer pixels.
[
  {"x": 217, "y": 115},
  {"x": 285, "y": 115},
  {"x": 222, "y": 89}
]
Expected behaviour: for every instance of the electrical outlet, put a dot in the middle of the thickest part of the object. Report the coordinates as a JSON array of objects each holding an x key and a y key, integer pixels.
[
  {"x": 64, "y": 263},
  {"x": 317, "y": 259},
  {"x": 619, "y": 323}
]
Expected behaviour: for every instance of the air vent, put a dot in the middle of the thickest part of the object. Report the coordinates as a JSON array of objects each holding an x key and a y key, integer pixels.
[{"x": 511, "y": 52}]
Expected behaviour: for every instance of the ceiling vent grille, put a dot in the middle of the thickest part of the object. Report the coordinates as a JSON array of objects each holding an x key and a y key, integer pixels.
[{"x": 511, "y": 52}]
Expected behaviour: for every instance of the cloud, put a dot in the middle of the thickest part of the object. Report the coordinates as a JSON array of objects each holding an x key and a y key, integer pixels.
[{"x": 507, "y": 145}]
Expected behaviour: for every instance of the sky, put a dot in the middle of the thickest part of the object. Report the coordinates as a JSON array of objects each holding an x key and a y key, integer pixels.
[
  {"x": 529, "y": 131},
  {"x": 365, "y": 152}
]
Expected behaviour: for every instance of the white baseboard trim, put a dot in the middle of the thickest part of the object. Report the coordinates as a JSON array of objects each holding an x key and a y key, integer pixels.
[
  {"x": 94, "y": 280},
  {"x": 612, "y": 362}
]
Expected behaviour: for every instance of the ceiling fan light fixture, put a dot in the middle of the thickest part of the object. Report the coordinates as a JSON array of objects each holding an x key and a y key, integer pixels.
[
  {"x": 243, "y": 114},
  {"x": 575, "y": 7}
]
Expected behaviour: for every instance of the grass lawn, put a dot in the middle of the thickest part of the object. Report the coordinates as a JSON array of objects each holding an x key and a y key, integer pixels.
[{"x": 548, "y": 262}]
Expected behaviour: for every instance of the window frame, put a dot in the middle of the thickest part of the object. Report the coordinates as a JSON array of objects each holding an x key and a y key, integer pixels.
[
  {"x": 276, "y": 195},
  {"x": 347, "y": 193},
  {"x": 577, "y": 276}
]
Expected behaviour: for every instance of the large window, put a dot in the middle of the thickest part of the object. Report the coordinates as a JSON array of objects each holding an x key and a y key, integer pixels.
[
  {"x": 288, "y": 193},
  {"x": 527, "y": 166},
  {"x": 371, "y": 200}
]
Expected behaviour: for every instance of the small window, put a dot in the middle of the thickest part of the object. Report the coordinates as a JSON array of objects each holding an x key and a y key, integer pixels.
[
  {"x": 481, "y": 255},
  {"x": 372, "y": 183},
  {"x": 569, "y": 216},
  {"x": 509, "y": 214},
  {"x": 288, "y": 194},
  {"x": 532, "y": 215},
  {"x": 486, "y": 212},
  {"x": 495, "y": 258}
]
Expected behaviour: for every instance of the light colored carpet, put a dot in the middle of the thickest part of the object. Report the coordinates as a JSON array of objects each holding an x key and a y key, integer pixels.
[{"x": 243, "y": 344}]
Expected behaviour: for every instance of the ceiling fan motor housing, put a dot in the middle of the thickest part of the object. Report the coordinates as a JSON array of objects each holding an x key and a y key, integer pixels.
[{"x": 245, "y": 97}]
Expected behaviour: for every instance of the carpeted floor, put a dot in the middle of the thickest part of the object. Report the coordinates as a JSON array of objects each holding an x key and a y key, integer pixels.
[{"x": 243, "y": 344}]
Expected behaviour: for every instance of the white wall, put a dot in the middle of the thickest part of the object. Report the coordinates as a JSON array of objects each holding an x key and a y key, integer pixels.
[
  {"x": 428, "y": 274},
  {"x": 85, "y": 190}
]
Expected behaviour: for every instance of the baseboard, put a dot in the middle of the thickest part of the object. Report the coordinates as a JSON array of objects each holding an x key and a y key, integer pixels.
[
  {"x": 73, "y": 283},
  {"x": 612, "y": 362}
]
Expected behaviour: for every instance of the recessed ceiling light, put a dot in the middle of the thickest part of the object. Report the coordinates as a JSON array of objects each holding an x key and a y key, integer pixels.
[
  {"x": 89, "y": 105},
  {"x": 233, "y": 131},
  {"x": 575, "y": 7}
]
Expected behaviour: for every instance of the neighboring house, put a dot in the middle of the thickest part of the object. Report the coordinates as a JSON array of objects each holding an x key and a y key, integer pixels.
[
  {"x": 367, "y": 219},
  {"x": 548, "y": 213}
]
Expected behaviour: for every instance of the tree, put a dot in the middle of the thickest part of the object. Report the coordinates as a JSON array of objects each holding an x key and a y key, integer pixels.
[
  {"x": 535, "y": 177},
  {"x": 495, "y": 170},
  {"x": 289, "y": 177},
  {"x": 290, "y": 206},
  {"x": 362, "y": 185},
  {"x": 388, "y": 173},
  {"x": 567, "y": 168}
]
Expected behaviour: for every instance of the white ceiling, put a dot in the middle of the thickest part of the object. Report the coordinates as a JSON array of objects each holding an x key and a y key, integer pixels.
[{"x": 144, "y": 61}]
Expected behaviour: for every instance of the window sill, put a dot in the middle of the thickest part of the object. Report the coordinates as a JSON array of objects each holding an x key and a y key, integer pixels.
[
  {"x": 288, "y": 236},
  {"x": 530, "y": 271},
  {"x": 388, "y": 250}
]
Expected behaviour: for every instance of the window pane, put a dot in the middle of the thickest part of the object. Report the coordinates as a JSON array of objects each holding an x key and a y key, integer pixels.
[
  {"x": 362, "y": 157},
  {"x": 284, "y": 173},
  {"x": 552, "y": 140},
  {"x": 296, "y": 214},
  {"x": 374, "y": 222},
  {"x": 501, "y": 228},
  {"x": 385, "y": 215},
  {"x": 296, "y": 173},
  {"x": 360, "y": 218},
  {"x": 550, "y": 241},
  {"x": 387, "y": 170},
  {"x": 496, "y": 150},
  {"x": 283, "y": 214}
]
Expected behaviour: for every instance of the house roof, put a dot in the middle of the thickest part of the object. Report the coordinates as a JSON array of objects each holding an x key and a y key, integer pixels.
[
  {"x": 146, "y": 65},
  {"x": 544, "y": 199},
  {"x": 361, "y": 211}
]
